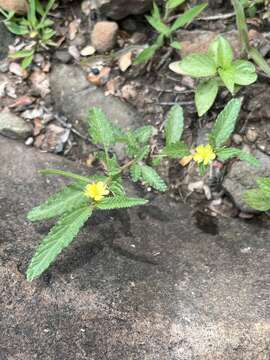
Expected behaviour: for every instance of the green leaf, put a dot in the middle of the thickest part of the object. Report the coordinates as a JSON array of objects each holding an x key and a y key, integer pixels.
[
  {"x": 156, "y": 22},
  {"x": 257, "y": 57},
  {"x": 143, "y": 134},
  {"x": 151, "y": 177},
  {"x": 21, "y": 54},
  {"x": 145, "y": 55},
  {"x": 71, "y": 175},
  {"x": 229, "y": 153},
  {"x": 187, "y": 17},
  {"x": 176, "y": 45},
  {"x": 205, "y": 95},
  {"x": 135, "y": 172},
  {"x": 16, "y": 29},
  {"x": 100, "y": 128},
  {"x": 175, "y": 150},
  {"x": 172, "y": 4},
  {"x": 31, "y": 15},
  {"x": 258, "y": 199},
  {"x": 198, "y": 65},
  {"x": 116, "y": 187},
  {"x": 27, "y": 61},
  {"x": 142, "y": 153},
  {"x": 263, "y": 183},
  {"x": 47, "y": 9},
  {"x": 119, "y": 202},
  {"x": 174, "y": 124},
  {"x": 59, "y": 237},
  {"x": 225, "y": 123},
  {"x": 69, "y": 198},
  {"x": 227, "y": 76},
  {"x": 241, "y": 24},
  {"x": 244, "y": 72},
  {"x": 225, "y": 53}
]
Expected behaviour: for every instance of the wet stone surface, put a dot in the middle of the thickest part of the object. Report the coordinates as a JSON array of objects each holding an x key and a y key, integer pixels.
[{"x": 143, "y": 284}]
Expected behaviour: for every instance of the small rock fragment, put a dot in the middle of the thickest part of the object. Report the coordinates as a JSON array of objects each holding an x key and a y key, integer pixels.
[
  {"x": 103, "y": 36},
  {"x": 74, "y": 52},
  {"x": 125, "y": 61},
  {"x": 101, "y": 78},
  {"x": 63, "y": 56},
  {"x": 251, "y": 134},
  {"x": 13, "y": 126},
  {"x": 16, "y": 69},
  {"x": 40, "y": 82},
  {"x": 88, "y": 50}
]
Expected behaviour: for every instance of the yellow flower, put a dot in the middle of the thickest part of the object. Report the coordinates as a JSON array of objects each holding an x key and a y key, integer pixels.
[
  {"x": 96, "y": 191},
  {"x": 204, "y": 154}
]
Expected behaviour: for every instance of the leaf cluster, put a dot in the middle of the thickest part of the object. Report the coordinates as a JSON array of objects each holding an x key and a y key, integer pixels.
[
  {"x": 35, "y": 25},
  {"x": 216, "y": 68},
  {"x": 165, "y": 28}
]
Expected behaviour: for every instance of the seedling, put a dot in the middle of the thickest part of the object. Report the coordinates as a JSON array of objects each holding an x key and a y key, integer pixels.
[
  {"x": 36, "y": 26},
  {"x": 217, "y": 69},
  {"x": 167, "y": 29}
]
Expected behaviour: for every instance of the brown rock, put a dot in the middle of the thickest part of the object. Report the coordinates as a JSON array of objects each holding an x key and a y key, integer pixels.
[
  {"x": 18, "y": 6},
  {"x": 103, "y": 37}
]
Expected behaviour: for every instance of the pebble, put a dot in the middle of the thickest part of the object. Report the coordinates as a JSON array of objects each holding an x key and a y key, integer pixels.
[
  {"x": 29, "y": 141},
  {"x": 16, "y": 69},
  {"x": 88, "y": 50},
  {"x": 237, "y": 139},
  {"x": 103, "y": 36},
  {"x": 63, "y": 56},
  {"x": 13, "y": 126},
  {"x": 74, "y": 52},
  {"x": 251, "y": 135}
]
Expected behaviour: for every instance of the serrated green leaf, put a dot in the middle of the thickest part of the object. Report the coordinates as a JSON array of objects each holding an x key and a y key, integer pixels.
[
  {"x": 205, "y": 95},
  {"x": 175, "y": 150},
  {"x": 119, "y": 202},
  {"x": 227, "y": 76},
  {"x": 187, "y": 17},
  {"x": 244, "y": 72},
  {"x": 151, "y": 177},
  {"x": 100, "y": 129},
  {"x": 198, "y": 65},
  {"x": 59, "y": 237},
  {"x": 257, "y": 199},
  {"x": 135, "y": 172},
  {"x": 174, "y": 124},
  {"x": 143, "y": 134},
  {"x": 117, "y": 188},
  {"x": 113, "y": 166},
  {"x": 225, "y": 123},
  {"x": 142, "y": 153},
  {"x": 69, "y": 198},
  {"x": 229, "y": 153},
  {"x": 172, "y": 4}
]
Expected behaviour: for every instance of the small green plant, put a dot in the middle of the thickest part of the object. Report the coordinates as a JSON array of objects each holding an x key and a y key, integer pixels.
[
  {"x": 76, "y": 202},
  {"x": 165, "y": 29},
  {"x": 36, "y": 26},
  {"x": 216, "y": 148},
  {"x": 250, "y": 52},
  {"x": 259, "y": 199},
  {"x": 217, "y": 68}
]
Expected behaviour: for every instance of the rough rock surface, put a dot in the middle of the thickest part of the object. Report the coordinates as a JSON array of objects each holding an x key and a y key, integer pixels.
[
  {"x": 242, "y": 177},
  {"x": 103, "y": 35},
  {"x": 5, "y": 41},
  {"x": 74, "y": 96},
  {"x": 119, "y": 9},
  {"x": 13, "y": 126},
  {"x": 143, "y": 284},
  {"x": 18, "y": 6}
]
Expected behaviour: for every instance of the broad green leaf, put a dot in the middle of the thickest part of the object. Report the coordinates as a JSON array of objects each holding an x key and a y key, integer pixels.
[
  {"x": 135, "y": 172},
  {"x": 187, "y": 17},
  {"x": 198, "y": 65},
  {"x": 21, "y": 54},
  {"x": 27, "y": 61},
  {"x": 225, "y": 123},
  {"x": 257, "y": 57},
  {"x": 59, "y": 237},
  {"x": 176, "y": 45},
  {"x": 227, "y": 76},
  {"x": 205, "y": 95},
  {"x": 224, "y": 53},
  {"x": 100, "y": 128},
  {"x": 151, "y": 177},
  {"x": 16, "y": 29},
  {"x": 172, "y": 4},
  {"x": 69, "y": 198},
  {"x": 143, "y": 134},
  {"x": 145, "y": 55},
  {"x": 31, "y": 15},
  {"x": 119, "y": 202},
  {"x": 257, "y": 199},
  {"x": 71, "y": 175},
  {"x": 174, "y": 124},
  {"x": 244, "y": 72},
  {"x": 175, "y": 150},
  {"x": 229, "y": 153}
]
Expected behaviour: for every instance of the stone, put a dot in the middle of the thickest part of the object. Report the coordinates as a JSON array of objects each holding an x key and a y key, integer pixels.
[
  {"x": 18, "y": 6},
  {"x": 153, "y": 282},
  {"x": 13, "y": 126},
  {"x": 103, "y": 35},
  {"x": 63, "y": 56},
  {"x": 242, "y": 177},
  {"x": 119, "y": 9},
  {"x": 5, "y": 40},
  {"x": 74, "y": 96}
]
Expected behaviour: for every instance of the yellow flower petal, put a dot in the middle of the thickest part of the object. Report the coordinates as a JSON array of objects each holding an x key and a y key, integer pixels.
[
  {"x": 96, "y": 191},
  {"x": 204, "y": 154}
]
